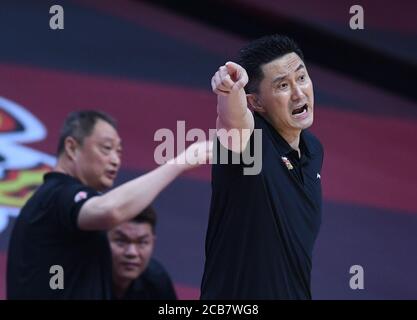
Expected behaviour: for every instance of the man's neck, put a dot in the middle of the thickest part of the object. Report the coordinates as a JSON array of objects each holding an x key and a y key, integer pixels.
[
  {"x": 62, "y": 170},
  {"x": 63, "y": 166},
  {"x": 292, "y": 138},
  {"x": 67, "y": 167}
]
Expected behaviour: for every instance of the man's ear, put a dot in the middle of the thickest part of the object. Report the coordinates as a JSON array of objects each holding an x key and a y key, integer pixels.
[
  {"x": 253, "y": 103},
  {"x": 71, "y": 146}
]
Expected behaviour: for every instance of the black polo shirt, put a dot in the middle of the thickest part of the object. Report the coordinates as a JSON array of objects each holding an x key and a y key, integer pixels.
[
  {"x": 153, "y": 284},
  {"x": 262, "y": 228},
  {"x": 46, "y": 233}
]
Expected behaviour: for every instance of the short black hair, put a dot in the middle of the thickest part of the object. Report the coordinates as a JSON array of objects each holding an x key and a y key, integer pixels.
[
  {"x": 148, "y": 215},
  {"x": 80, "y": 124},
  {"x": 262, "y": 51}
]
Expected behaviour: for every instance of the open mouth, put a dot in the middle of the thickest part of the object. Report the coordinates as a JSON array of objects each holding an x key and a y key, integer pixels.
[
  {"x": 111, "y": 174},
  {"x": 300, "y": 110}
]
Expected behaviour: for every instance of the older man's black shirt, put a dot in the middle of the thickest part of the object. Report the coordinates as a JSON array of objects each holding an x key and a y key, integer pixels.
[
  {"x": 262, "y": 228},
  {"x": 45, "y": 234}
]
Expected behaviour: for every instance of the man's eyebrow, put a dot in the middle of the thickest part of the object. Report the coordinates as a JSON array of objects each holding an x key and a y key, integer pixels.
[
  {"x": 140, "y": 238},
  {"x": 280, "y": 78},
  {"x": 143, "y": 236},
  {"x": 106, "y": 139},
  {"x": 120, "y": 234},
  {"x": 301, "y": 66}
]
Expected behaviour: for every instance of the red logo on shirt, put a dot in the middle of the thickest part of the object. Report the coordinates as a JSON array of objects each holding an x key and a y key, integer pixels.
[
  {"x": 287, "y": 163},
  {"x": 80, "y": 196}
]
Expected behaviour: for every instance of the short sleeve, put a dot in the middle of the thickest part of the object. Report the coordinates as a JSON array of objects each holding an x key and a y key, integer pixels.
[
  {"x": 231, "y": 166},
  {"x": 69, "y": 200}
]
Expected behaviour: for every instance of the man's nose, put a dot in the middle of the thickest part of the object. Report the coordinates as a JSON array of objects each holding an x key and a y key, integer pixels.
[
  {"x": 115, "y": 159},
  {"x": 297, "y": 93},
  {"x": 132, "y": 250}
]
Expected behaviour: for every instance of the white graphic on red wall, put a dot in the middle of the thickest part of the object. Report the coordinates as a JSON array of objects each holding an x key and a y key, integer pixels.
[{"x": 21, "y": 167}]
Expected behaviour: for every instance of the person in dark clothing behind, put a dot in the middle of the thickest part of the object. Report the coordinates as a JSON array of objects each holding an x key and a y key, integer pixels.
[
  {"x": 136, "y": 275},
  {"x": 58, "y": 247},
  {"x": 263, "y": 226}
]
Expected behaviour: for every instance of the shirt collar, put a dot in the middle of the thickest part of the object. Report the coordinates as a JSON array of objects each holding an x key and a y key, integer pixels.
[{"x": 59, "y": 175}]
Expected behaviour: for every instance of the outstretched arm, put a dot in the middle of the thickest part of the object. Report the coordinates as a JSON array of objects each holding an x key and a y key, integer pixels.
[
  {"x": 126, "y": 201},
  {"x": 235, "y": 121}
]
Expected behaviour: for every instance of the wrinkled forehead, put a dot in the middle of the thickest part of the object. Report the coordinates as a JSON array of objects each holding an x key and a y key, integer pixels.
[
  {"x": 285, "y": 65},
  {"x": 105, "y": 131}
]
